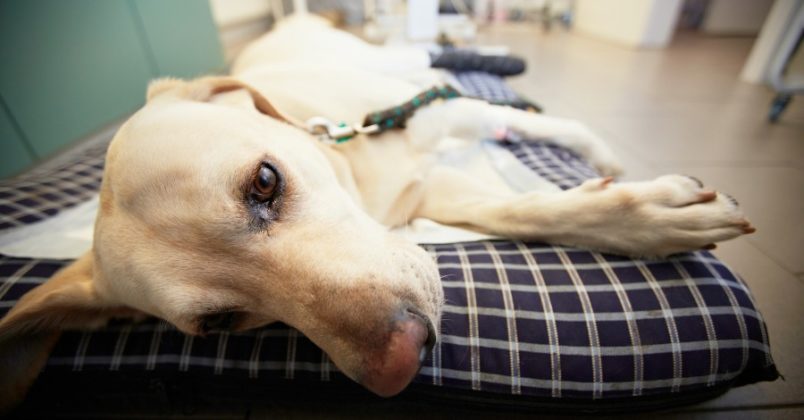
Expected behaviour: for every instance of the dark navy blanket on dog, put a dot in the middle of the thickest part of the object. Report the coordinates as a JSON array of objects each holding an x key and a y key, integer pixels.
[{"x": 524, "y": 323}]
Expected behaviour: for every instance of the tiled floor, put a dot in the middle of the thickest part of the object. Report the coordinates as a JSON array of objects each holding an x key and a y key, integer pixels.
[{"x": 683, "y": 109}]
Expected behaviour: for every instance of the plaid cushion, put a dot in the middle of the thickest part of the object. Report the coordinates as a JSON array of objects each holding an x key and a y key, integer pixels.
[
  {"x": 43, "y": 192},
  {"x": 522, "y": 319},
  {"x": 487, "y": 86}
]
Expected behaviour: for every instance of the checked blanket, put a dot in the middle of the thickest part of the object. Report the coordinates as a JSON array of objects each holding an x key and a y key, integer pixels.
[{"x": 528, "y": 320}]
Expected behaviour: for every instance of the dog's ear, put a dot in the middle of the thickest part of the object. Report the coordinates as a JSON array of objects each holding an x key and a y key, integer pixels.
[
  {"x": 160, "y": 86},
  {"x": 206, "y": 88},
  {"x": 29, "y": 331}
]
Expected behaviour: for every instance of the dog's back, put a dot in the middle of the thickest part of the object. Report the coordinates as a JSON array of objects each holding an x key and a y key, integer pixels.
[{"x": 308, "y": 38}]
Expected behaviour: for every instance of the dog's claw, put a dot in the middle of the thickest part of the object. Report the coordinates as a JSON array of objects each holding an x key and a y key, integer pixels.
[
  {"x": 732, "y": 199},
  {"x": 697, "y": 181},
  {"x": 709, "y": 247}
]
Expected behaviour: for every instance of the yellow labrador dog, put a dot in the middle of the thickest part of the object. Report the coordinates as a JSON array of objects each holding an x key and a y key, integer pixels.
[{"x": 218, "y": 212}]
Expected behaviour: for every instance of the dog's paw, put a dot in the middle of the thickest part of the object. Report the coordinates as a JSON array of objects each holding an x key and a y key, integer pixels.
[{"x": 671, "y": 214}]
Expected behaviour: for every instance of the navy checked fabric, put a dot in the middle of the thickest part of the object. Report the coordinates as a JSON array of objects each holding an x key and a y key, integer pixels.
[
  {"x": 487, "y": 86},
  {"x": 41, "y": 193},
  {"x": 556, "y": 164},
  {"x": 520, "y": 318},
  {"x": 524, "y": 319}
]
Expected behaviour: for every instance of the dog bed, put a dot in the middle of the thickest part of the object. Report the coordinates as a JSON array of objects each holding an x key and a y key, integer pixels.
[{"x": 526, "y": 325}]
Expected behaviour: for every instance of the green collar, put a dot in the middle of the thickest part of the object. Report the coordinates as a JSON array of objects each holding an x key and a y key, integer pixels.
[{"x": 379, "y": 121}]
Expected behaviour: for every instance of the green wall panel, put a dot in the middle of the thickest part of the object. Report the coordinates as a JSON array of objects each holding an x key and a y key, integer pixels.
[
  {"x": 182, "y": 36},
  {"x": 69, "y": 67},
  {"x": 14, "y": 157}
]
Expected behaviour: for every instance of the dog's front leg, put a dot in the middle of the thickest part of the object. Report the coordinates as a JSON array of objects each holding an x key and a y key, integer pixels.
[
  {"x": 670, "y": 214},
  {"x": 473, "y": 119}
]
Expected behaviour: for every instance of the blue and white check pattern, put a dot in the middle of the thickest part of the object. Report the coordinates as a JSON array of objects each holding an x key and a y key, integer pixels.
[
  {"x": 542, "y": 320},
  {"x": 556, "y": 164},
  {"x": 520, "y": 319},
  {"x": 41, "y": 193},
  {"x": 487, "y": 86}
]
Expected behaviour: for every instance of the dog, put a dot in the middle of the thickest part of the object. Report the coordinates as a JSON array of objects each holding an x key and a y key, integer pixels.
[{"x": 220, "y": 212}]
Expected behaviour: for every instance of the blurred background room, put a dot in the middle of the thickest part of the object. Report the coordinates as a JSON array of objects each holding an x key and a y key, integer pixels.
[{"x": 709, "y": 88}]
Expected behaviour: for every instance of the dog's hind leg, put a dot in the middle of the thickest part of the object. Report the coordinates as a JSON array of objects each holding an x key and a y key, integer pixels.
[
  {"x": 670, "y": 214},
  {"x": 473, "y": 119}
]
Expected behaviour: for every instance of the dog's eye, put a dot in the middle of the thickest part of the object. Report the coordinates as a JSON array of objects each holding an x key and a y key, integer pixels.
[
  {"x": 264, "y": 184},
  {"x": 218, "y": 322}
]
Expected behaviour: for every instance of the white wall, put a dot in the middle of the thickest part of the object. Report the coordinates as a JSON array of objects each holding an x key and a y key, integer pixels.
[
  {"x": 776, "y": 25},
  {"x": 636, "y": 23},
  {"x": 661, "y": 24},
  {"x": 735, "y": 17},
  {"x": 240, "y": 21},
  {"x": 233, "y": 12}
]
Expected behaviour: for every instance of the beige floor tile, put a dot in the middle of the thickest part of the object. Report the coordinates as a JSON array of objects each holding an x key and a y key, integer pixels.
[{"x": 710, "y": 135}]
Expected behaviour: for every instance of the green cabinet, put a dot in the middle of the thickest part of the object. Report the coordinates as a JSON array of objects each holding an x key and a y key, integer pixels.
[
  {"x": 68, "y": 67},
  {"x": 14, "y": 155},
  {"x": 178, "y": 33},
  {"x": 71, "y": 67}
]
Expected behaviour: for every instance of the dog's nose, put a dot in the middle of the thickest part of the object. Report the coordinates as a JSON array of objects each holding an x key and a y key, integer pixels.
[
  {"x": 431, "y": 334},
  {"x": 410, "y": 342}
]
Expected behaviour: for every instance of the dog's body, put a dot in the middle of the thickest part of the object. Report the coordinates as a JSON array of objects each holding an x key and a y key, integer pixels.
[
  {"x": 218, "y": 212},
  {"x": 324, "y": 73}
]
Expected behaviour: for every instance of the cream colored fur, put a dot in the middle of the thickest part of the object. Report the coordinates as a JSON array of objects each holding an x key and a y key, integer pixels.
[
  {"x": 174, "y": 238},
  {"x": 653, "y": 218}
]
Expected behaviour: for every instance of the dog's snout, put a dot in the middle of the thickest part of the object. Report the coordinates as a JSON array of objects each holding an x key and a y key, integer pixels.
[{"x": 410, "y": 342}]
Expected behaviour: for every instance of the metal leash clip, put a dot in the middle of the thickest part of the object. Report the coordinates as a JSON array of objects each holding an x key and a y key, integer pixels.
[{"x": 330, "y": 132}]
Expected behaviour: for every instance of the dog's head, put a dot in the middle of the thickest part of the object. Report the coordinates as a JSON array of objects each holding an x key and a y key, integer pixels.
[{"x": 217, "y": 214}]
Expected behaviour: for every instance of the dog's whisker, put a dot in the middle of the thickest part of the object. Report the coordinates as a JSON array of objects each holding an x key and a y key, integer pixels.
[{"x": 447, "y": 301}]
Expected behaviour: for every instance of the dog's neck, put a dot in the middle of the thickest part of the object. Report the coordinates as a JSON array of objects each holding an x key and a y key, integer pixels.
[{"x": 342, "y": 168}]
